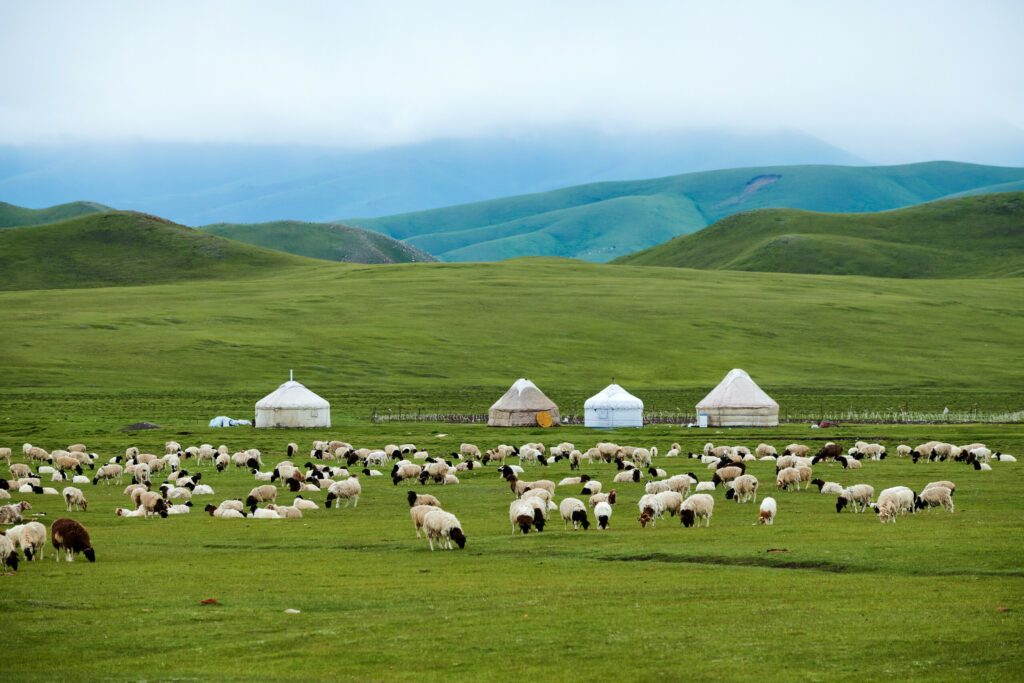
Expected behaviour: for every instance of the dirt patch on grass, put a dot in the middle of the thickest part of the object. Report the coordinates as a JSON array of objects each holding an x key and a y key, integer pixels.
[
  {"x": 734, "y": 562},
  {"x": 139, "y": 426}
]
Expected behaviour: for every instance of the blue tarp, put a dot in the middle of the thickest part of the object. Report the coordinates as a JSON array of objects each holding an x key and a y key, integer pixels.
[{"x": 223, "y": 421}]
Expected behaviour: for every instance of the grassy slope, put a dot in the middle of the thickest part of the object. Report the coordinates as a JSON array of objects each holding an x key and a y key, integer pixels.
[
  {"x": 119, "y": 248},
  {"x": 13, "y": 216},
  {"x": 561, "y": 601},
  {"x": 323, "y": 241},
  {"x": 563, "y": 222},
  {"x": 971, "y": 237}
]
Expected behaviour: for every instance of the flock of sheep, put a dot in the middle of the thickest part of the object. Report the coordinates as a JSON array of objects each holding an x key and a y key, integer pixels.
[{"x": 335, "y": 467}]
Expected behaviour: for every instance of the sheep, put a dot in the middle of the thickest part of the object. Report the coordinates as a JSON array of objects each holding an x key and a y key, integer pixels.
[
  {"x": 848, "y": 463},
  {"x": 541, "y": 507},
  {"x": 349, "y": 489},
  {"x": 627, "y": 476},
  {"x": 12, "y": 514},
  {"x": 947, "y": 484},
  {"x": 653, "y": 487},
  {"x": 36, "y": 453},
  {"x": 893, "y": 501},
  {"x": 674, "y": 450},
  {"x": 573, "y": 510},
  {"x": 642, "y": 456},
  {"x": 224, "y": 513},
  {"x": 695, "y": 508},
  {"x": 286, "y": 511},
  {"x": 935, "y": 496},
  {"x": 681, "y": 483},
  {"x": 405, "y": 470},
  {"x": 418, "y": 512},
  {"x": 74, "y": 497},
  {"x": 8, "y": 553},
  {"x": 727, "y": 474},
  {"x": 422, "y": 499},
  {"x": 982, "y": 466},
  {"x": 20, "y": 471},
  {"x": 5, "y": 455},
  {"x": 265, "y": 513},
  {"x": 764, "y": 450},
  {"x": 153, "y": 503},
  {"x": 126, "y": 512},
  {"x": 858, "y": 497},
  {"x": 470, "y": 450},
  {"x": 603, "y": 513},
  {"x": 443, "y": 527},
  {"x": 766, "y": 515},
  {"x": 543, "y": 494},
  {"x": 71, "y": 537},
  {"x": 829, "y": 487},
  {"x": 796, "y": 449},
  {"x": 571, "y": 481},
  {"x": 602, "y": 498},
  {"x": 591, "y": 487},
  {"x": 175, "y": 492},
  {"x": 657, "y": 472},
  {"x": 744, "y": 488},
  {"x": 873, "y": 451},
  {"x": 262, "y": 494},
  {"x": 903, "y": 450},
  {"x": 30, "y": 538},
  {"x": 981, "y": 454},
  {"x": 434, "y": 471},
  {"x": 651, "y": 508},
  {"x": 1003, "y": 457},
  {"x": 522, "y": 514},
  {"x": 140, "y": 473},
  {"x": 704, "y": 486},
  {"x": 923, "y": 450},
  {"x": 545, "y": 484},
  {"x": 671, "y": 501}
]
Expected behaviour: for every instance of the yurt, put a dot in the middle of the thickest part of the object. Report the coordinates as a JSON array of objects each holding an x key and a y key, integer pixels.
[
  {"x": 613, "y": 406},
  {"x": 523, "y": 405},
  {"x": 737, "y": 401},
  {"x": 292, "y": 405}
]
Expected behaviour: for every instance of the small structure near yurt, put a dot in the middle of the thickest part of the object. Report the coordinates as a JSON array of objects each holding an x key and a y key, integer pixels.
[
  {"x": 523, "y": 405},
  {"x": 292, "y": 405},
  {"x": 612, "y": 407},
  {"x": 737, "y": 401}
]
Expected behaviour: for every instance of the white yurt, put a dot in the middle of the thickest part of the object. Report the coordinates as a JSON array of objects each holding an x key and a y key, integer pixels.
[
  {"x": 292, "y": 405},
  {"x": 737, "y": 401},
  {"x": 523, "y": 405},
  {"x": 613, "y": 406}
]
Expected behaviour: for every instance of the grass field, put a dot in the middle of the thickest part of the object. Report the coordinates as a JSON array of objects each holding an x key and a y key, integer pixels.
[
  {"x": 967, "y": 237},
  {"x": 933, "y": 597}
]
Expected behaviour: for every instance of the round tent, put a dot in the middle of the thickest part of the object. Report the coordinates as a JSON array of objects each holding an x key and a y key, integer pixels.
[
  {"x": 523, "y": 405},
  {"x": 613, "y": 406},
  {"x": 292, "y": 405},
  {"x": 737, "y": 401}
]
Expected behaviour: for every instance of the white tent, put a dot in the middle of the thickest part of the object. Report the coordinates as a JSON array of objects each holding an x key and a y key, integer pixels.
[
  {"x": 523, "y": 405},
  {"x": 292, "y": 405},
  {"x": 613, "y": 406},
  {"x": 737, "y": 401}
]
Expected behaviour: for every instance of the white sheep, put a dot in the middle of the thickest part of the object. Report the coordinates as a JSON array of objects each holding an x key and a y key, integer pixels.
[
  {"x": 443, "y": 527},
  {"x": 894, "y": 501},
  {"x": 744, "y": 488},
  {"x": 787, "y": 478},
  {"x": 305, "y": 504},
  {"x": 766, "y": 515},
  {"x": 349, "y": 489},
  {"x": 764, "y": 450},
  {"x": 671, "y": 501},
  {"x": 603, "y": 513},
  {"x": 30, "y": 538},
  {"x": 180, "y": 509},
  {"x": 858, "y": 497},
  {"x": 651, "y": 508},
  {"x": 704, "y": 486},
  {"x": 903, "y": 450},
  {"x": 626, "y": 476},
  {"x": 74, "y": 497},
  {"x": 695, "y": 508},
  {"x": 573, "y": 510},
  {"x": 1003, "y": 457},
  {"x": 8, "y": 553},
  {"x": 936, "y": 496}
]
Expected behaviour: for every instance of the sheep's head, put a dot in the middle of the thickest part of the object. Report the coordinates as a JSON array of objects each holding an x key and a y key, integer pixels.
[
  {"x": 602, "y": 521},
  {"x": 645, "y": 517},
  {"x": 611, "y": 497},
  {"x": 457, "y": 536},
  {"x": 687, "y": 518},
  {"x": 637, "y": 474},
  {"x": 730, "y": 493},
  {"x": 524, "y": 522},
  {"x": 841, "y": 502},
  {"x": 90, "y": 554},
  {"x": 538, "y": 519},
  {"x": 580, "y": 517}
]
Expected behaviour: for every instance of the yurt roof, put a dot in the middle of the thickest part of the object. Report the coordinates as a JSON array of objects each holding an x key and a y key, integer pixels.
[
  {"x": 524, "y": 395},
  {"x": 737, "y": 390},
  {"x": 291, "y": 394},
  {"x": 613, "y": 397}
]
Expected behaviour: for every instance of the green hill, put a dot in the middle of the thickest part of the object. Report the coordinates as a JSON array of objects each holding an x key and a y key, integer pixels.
[
  {"x": 980, "y": 236},
  {"x": 14, "y": 216},
  {"x": 125, "y": 248},
  {"x": 332, "y": 242},
  {"x": 602, "y": 221}
]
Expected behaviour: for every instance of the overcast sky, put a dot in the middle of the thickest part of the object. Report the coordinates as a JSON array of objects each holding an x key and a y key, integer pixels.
[{"x": 893, "y": 77}]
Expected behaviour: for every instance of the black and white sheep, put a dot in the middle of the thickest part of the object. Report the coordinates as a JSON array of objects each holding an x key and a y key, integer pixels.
[{"x": 443, "y": 527}]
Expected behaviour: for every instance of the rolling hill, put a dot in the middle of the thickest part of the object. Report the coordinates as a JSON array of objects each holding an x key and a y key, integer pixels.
[
  {"x": 979, "y": 236},
  {"x": 119, "y": 248},
  {"x": 332, "y": 242},
  {"x": 15, "y": 216},
  {"x": 602, "y": 221}
]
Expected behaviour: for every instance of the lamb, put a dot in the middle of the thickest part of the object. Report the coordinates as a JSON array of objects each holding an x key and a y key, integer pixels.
[
  {"x": 848, "y": 463},
  {"x": 695, "y": 508},
  {"x": 573, "y": 510},
  {"x": 71, "y": 537},
  {"x": 8, "y": 553},
  {"x": 30, "y": 538},
  {"x": 262, "y": 494},
  {"x": 674, "y": 451},
  {"x": 74, "y": 497},
  {"x": 829, "y": 487},
  {"x": 125, "y": 512},
  {"x": 767, "y": 512},
  {"x": 443, "y": 527},
  {"x": 175, "y": 492},
  {"x": 418, "y": 512},
  {"x": 602, "y": 498},
  {"x": 935, "y": 496},
  {"x": 570, "y": 481},
  {"x": 422, "y": 499},
  {"x": 744, "y": 488},
  {"x": 858, "y": 497},
  {"x": 180, "y": 509},
  {"x": 650, "y": 509},
  {"x": 603, "y": 513},
  {"x": 349, "y": 489},
  {"x": 626, "y": 476},
  {"x": 265, "y": 513}
]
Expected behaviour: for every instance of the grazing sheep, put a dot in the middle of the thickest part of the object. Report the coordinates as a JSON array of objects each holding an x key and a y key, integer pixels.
[
  {"x": 8, "y": 553},
  {"x": 418, "y": 513},
  {"x": 545, "y": 484},
  {"x": 20, "y": 471},
  {"x": 764, "y": 450},
  {"x": 894, "y": 501},
  {"x": 829, "y": 487},
  {"x": 5, "y": 455},
  {"x": 573, "y": 510},
  {"x": 603, "y": 513},
  {"x": 727, "y": 473},
  {"x": 261, "y": 494},
  {"x": 651, "y": 508},
  {"x": 153, "y": 503},
  {"x": 903, "y": 450},
  {"x": 522, "y": 514},
  {"x": 936, "y": 496},
  {"x": 653, "y": 487},
  {"x": 848, "y": 463},
  {"x": 36, "y": 453},
  {"x": 349, "y": 489},
  {"x": 602, "y": 498},
  {"x": 695, "y": 508},
  {"x": 12, "y": 514},
  {"x": 767, "y": 512},
  {"x": 470, "y": 450},
  {"x": 74, "y": 497},
  {"x": 948, "y": 484},
  {"x": 796, "y": 449},
  {"x": 443, "y": 527},
  {"x": 671, "y": 501},
  {"x": 30, "y": 538},
  {"x": 858, "y": 497},
  {"x": 744, "y": 488},
  {"x": 422, "y": 499},
  {"x": 71, "y": 537},
  {"x": 543, "y": 494},
  {"x": 405, "y": 470},
  {"x": 681, "y": 483}
]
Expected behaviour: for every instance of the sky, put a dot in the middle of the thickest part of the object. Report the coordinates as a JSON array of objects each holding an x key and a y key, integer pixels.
[{"x": 887, "y": 80}]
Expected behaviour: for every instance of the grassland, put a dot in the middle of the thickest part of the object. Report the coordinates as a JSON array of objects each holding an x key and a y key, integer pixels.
[
  {"x": 602, "y": 221},
  {"x": 333, "y": 242},
  {"x": 839, "y": 597},
  {"x": 971, "y": 237},
  {"x": 14, "y": 216}
]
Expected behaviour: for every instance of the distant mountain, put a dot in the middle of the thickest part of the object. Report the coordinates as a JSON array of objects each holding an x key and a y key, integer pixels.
[
  {"x": 203, "y": 184},
  {"x": 970, "y": 237},
  {"x": 602, "y": 221},
  {"x": 13, "y": 216},
  {"x": 120, "y": 248},
  {"x": 333, "y": 242}
]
